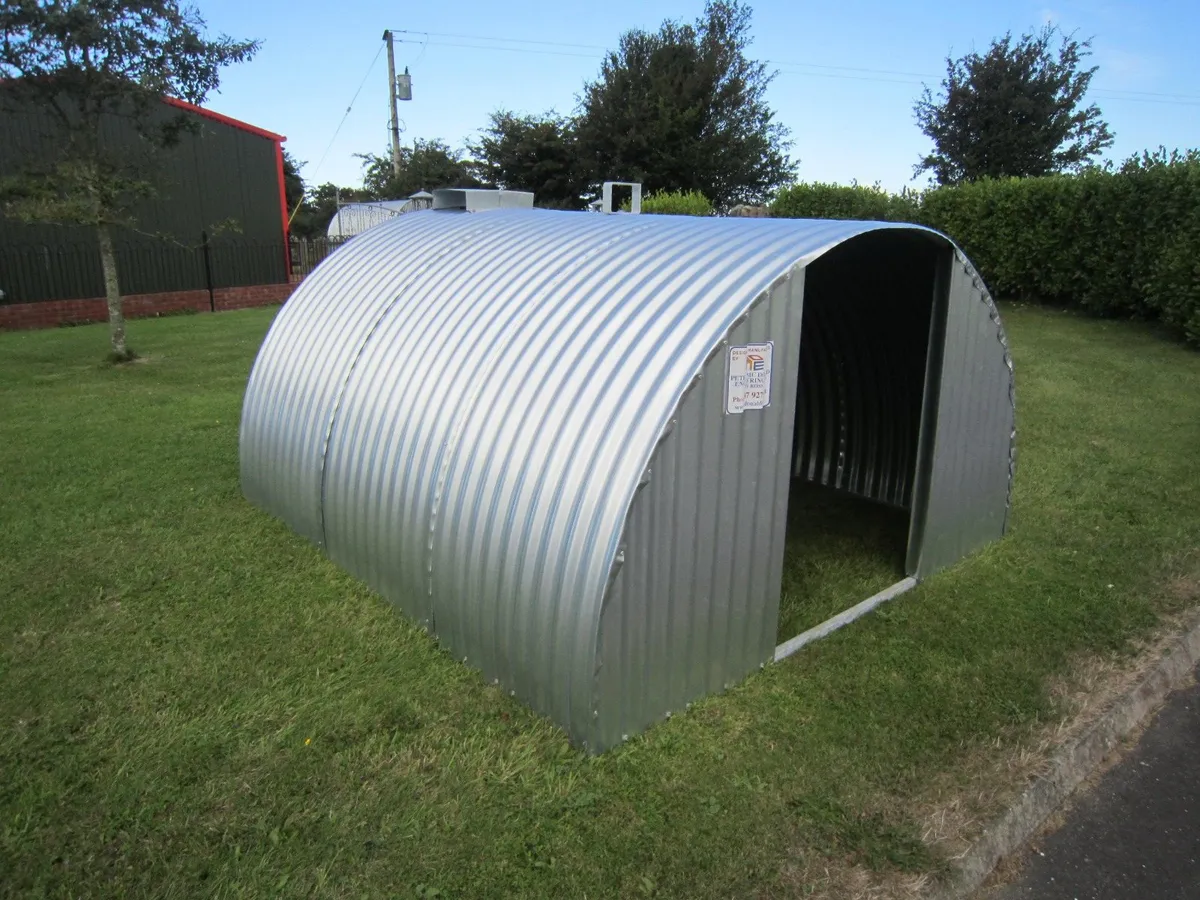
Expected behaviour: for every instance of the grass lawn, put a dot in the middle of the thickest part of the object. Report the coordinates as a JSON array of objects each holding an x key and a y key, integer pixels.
[{"x": 193, "y": 702}]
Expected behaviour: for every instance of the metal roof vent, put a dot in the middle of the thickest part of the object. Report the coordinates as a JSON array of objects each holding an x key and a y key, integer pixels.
[
  {"x": 635, "y": 200},
  {"x": 479, "y": 199}
]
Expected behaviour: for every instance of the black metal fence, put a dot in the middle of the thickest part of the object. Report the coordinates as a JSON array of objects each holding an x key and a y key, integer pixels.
[{"x": 69, "y": 271}]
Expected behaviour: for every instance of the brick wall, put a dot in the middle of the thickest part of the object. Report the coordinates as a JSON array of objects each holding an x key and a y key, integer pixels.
[{"x": 50, "y": 313}]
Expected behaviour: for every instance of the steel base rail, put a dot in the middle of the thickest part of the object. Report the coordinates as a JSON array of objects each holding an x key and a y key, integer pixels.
[{"x": 790, "y": 646}]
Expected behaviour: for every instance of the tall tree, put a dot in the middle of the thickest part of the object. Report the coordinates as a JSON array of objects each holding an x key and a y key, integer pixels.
[
  {"x": 533, "y": 154},
  {"x": 423, "y": 166},
  {"x": 685, "y": 109},
  {"x": 89, "y": 63},
  {"x": 1016, "y": 110}
]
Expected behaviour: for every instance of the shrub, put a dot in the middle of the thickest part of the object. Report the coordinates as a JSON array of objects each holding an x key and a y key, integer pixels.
[{"x": 674, "y": 203}]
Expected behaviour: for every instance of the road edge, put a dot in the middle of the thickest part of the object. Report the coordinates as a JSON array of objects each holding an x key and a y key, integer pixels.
[{"x": 1074, "y": 763}]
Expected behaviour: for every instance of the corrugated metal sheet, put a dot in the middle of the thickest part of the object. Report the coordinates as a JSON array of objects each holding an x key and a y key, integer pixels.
[
  {"x": 461, "y": 409},
  {"x": 217, "y": 176},
  {"x": 974, "y": 452},
  {"x": 862, "y": 378},
  {"x": 695, "y": 604}
]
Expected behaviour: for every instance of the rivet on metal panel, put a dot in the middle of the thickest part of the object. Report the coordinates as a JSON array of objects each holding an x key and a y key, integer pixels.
[{"x": 595, "y": 713}]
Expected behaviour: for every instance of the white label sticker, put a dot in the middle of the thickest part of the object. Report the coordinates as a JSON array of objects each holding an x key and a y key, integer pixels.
[{"x": 748, "y": 377}]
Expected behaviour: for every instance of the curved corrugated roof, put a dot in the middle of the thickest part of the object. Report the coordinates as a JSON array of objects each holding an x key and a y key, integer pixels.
[
  {"x": 355, "y": 218},
  {"x": 459, "y": 408}
]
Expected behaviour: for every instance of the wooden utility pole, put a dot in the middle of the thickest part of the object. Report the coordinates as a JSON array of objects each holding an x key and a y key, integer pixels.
[{"x": 387, "y": 36}]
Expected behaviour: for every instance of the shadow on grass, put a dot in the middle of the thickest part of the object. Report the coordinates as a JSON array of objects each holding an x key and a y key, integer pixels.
[{"x": 840, "y": 550}]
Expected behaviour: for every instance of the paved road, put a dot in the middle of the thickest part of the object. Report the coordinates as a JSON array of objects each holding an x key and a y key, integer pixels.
[{"x": 1136, "y": 834}]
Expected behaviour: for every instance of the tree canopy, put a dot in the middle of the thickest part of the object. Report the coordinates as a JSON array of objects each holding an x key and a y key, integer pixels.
[
  {"x": 89, "y": 63},
  {"x": 530, "y": 153},
  {"x": 1016, "y": 110},
  {"x": 684, "y": 108},
  {"x": 423, "y": 166}
]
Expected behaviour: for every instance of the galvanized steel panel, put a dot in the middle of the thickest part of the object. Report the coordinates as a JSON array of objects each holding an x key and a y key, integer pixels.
[
  {"x": 974, "y": 451},
  {"x": 862, "y": 378},
  {"x": 694, "y": 605},
  {"x": 461, "y": 407}
]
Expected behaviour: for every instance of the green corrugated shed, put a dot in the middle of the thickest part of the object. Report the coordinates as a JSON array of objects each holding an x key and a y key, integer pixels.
[{"x": 223, "y": 179}]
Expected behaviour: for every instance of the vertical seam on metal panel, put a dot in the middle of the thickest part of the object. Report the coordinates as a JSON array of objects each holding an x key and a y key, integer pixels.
[{"x": 333, "y": 416}]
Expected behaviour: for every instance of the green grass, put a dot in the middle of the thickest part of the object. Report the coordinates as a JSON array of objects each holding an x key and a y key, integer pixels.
[
  {"x": 194, "y": 703},
  {"x": 840, "y": 550}
]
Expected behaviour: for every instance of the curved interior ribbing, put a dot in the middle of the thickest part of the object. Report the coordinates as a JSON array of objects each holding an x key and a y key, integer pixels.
[{"x": 863, "y": 349}]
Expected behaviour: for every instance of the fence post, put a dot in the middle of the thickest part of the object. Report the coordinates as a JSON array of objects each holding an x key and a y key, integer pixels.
[{"x": 208, "y": 280}]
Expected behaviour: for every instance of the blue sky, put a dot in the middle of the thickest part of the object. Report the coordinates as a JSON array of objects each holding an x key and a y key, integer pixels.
[{"x": 848, "y": 71}]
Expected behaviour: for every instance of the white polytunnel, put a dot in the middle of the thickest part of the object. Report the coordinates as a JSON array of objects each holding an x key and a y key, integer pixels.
[{"x": 563, "y": 442}]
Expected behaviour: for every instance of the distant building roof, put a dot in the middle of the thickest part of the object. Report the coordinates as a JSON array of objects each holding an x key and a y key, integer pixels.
[{"x": 355, "y": 218}]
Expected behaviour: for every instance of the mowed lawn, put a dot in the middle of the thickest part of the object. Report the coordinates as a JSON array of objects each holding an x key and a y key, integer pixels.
[{"x": 193, "y": 702}]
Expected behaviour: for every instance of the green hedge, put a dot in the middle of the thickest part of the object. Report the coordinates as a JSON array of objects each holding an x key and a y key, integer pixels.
[
  {"x": 1123, "y": 242},
  {"x": 838, "y": 201}
]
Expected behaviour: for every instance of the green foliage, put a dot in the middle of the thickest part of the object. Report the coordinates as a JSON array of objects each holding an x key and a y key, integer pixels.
[
  {"x": 684, "y": 109},
  {"x": 531, "y": 153},
  {"x": 321, "y": 205},
  {"x": 674, "y": 203},
  {"x": 423, "y": 166},
  {"x": 87, "y": 63},
  {"x": 1016, "y": 110},
  {"x": 1115, "y": 242},
  {"x": 293, "y": 185},
  {"x": 816, "y": 200}
]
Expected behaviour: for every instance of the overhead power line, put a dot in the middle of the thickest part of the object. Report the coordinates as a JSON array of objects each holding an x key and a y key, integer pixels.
[
  {"x": 346, "y": 115},
  {"x": 785, "y": 67}
]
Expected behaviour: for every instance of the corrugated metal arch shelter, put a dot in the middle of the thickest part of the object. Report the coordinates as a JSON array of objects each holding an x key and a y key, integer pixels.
[{"x": 563, "y": 442}]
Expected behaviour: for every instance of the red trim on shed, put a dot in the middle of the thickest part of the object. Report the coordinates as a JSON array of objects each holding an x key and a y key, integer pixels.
[
  {"x": 252, "y": 129},
  {"x": 283, "y": 206},
  {"x": 227, "y": 120}
]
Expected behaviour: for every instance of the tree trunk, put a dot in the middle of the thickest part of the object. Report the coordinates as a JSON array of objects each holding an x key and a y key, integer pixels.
[{"x": 112, "y": 292}]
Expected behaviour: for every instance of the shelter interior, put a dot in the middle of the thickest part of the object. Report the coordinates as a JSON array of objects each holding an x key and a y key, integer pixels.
[{"x": 870, "y": 359}]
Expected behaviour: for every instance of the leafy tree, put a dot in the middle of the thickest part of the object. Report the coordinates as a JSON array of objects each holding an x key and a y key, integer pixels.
[
  {"x": 533, "y": 154},
  {"x": 1016, "y": 110},
  {"x": 423, "y": 166},
  {"x": 293, "y": 182},
  {"x": 684, "y": 109},
  {"x": 88, "y": 64}
]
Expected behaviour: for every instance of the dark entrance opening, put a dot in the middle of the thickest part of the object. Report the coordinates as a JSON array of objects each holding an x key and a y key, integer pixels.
[{"x": 865, "y": 342}]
